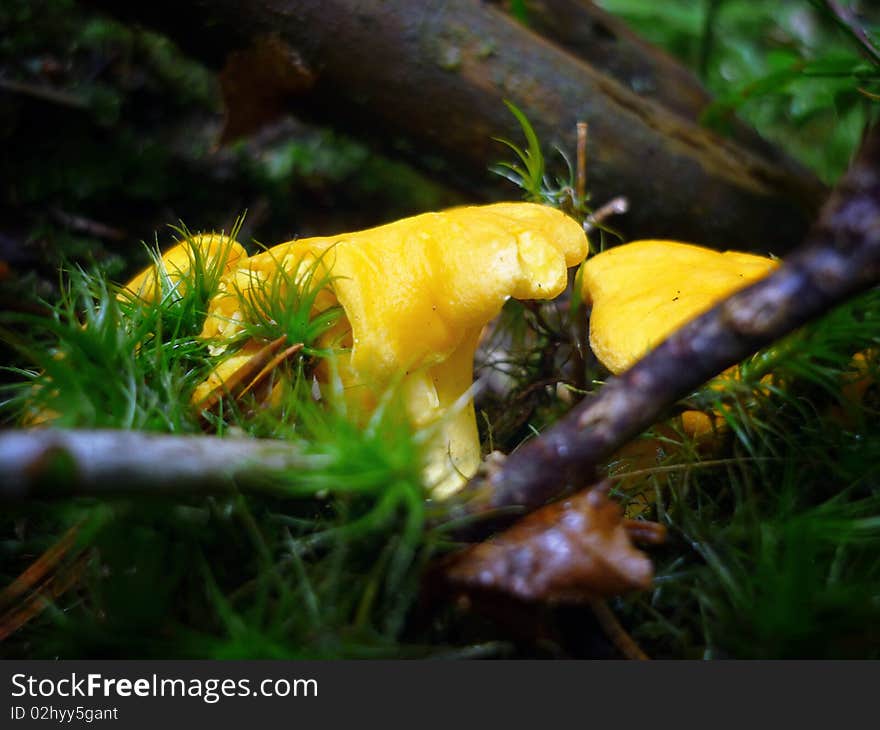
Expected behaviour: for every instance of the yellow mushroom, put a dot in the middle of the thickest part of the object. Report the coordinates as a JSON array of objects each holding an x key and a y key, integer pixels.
[
  {"x": 643, "y": 291},
  {"x": 215, "y": 251},
  {"x": 416, "y": 294}
]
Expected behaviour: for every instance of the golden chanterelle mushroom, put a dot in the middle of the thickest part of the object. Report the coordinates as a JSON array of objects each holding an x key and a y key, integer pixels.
[
  {"x": 416, "y": 294},
  {"x": 643, "y": 291}
]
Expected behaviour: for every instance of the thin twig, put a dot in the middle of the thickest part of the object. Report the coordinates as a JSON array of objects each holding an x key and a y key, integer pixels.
[
  {"x": 840, "y": 258},
  {"x": 37, "y": 572},
  {"x": 81, "y": 224},
  {"x": 618, "y": 635},
  {"x": 34, "y": 604},
  {"x": 615, "y": 206},
  {"x": 46, "y": 579},
  {"x": 44, "y": 93}
]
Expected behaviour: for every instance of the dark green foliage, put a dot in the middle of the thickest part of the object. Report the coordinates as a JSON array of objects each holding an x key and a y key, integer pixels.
[
  {"x": 784, "y": 67},
  {"x": 519, "y": 11}
]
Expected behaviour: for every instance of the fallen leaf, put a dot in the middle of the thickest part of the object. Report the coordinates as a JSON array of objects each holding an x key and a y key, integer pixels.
[{"x": 573, "y": 551}]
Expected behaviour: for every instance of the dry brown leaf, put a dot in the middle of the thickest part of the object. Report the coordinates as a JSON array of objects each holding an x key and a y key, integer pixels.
[{"x": 573, "y": 551}]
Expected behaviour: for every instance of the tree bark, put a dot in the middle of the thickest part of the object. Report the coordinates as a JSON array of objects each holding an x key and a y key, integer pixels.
[
  {"x": 607, "y": 43},
  {"x": 428, "y": 80}
]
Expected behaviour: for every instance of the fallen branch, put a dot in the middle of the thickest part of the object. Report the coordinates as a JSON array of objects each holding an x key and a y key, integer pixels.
[
  {"x": 47, "y": 463},
  {"x": 608, "y": 44},
  {"x": 428, "y": 81},
  {"x": 840, "y": 258}
]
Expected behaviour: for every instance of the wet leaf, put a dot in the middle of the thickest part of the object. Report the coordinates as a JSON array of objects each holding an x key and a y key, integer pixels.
[{"x": 572, "y": 551}]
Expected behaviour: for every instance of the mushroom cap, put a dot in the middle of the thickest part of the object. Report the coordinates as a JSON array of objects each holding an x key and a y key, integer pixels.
[
  {"x": 413, "y": 289},
  {"x": 643, "y": 291}
]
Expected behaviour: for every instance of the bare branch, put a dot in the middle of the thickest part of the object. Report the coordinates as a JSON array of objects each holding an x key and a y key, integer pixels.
[
  {"x": 50, "y": 463},
  {"x": 615, "y": 206}
]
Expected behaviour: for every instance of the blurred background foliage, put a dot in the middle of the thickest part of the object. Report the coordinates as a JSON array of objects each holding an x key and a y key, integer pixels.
[{"x": 110, "y": 134}]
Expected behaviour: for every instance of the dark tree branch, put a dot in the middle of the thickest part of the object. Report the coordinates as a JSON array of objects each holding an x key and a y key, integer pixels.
[
  {"x": 610, "y": 46},
  {"x": 428, "y": 80},
  {"x": 840, "y": 258},
  {"x": 47, "y": 463}
]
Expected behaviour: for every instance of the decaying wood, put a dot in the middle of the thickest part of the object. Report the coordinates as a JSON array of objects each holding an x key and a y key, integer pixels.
[
  {"x": 840, "y": 258},
  {"x": 428, "y": 80},
  {"x": 611, "y": 47},
  {"x": 48, "y": 463}
]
